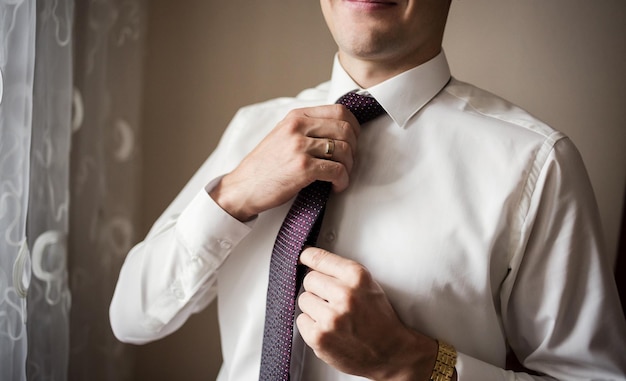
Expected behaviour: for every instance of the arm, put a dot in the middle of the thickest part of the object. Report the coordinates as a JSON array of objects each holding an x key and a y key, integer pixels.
[
  {"x": 560, "y": 307},
  {"x": 172, "y": 273}
]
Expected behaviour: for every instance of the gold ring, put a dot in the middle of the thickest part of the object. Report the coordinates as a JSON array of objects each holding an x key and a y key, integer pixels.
[{"x": 330, "y": 148}]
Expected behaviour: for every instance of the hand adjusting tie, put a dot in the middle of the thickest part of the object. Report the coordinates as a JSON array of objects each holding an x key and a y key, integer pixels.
[{"x": 300, "y": 227}]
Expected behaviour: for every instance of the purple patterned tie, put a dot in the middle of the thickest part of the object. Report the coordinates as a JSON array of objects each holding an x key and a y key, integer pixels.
[{"x": 300, "y": 228}]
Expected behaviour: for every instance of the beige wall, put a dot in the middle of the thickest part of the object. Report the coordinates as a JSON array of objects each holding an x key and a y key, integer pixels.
[
  {"x": 562, "y": 59},
  {"x": 205, "y": 60}
]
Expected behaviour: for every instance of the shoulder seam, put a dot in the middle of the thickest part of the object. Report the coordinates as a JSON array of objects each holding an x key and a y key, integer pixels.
[
  {"x": 530, "y": 182},
  {"x": 532, "y": 124}
]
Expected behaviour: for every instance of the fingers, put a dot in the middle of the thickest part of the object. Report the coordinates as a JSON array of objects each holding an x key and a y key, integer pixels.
[
  {"x": 333, "y": 265},
  {"x": 332, "y": 112},
  {"x": 309, "y": 144},
  {"x": 329, "y": 149},
  {"x": 324, "y": 302},
  {"x": 346, "y": 317},
  {"x": 332, "y": 278},
  {"x": 326, "y": 122},
  {"x": 333, "y": 150},
  {"x": 328, "y": 135},
  {"x": 314, "y": 307}
]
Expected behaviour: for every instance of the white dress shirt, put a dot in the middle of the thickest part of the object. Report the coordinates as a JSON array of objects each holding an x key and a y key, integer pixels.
[{"x": 477, "y": 219}]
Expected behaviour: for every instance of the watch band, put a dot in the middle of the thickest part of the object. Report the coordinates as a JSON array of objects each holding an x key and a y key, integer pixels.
[{"x": 444, "y": 365}]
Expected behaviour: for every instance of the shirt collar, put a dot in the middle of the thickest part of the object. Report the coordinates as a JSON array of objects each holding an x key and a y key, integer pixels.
[{"x": 401, "y": 96}]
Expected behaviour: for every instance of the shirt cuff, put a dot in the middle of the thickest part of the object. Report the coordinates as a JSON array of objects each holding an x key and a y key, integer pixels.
[
  {"x": 208, "y": 230},
  {"x": 208, "y": 234},
  {"x": 469, "y": 368}
]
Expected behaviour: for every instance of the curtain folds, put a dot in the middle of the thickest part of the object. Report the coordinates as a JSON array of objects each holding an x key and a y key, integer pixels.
[
  {"x": 70, "y": 81},
  {"x": 17, "y": 62},
  {"x": 105, "y": 167},
  {"x": 48, "y": 295}
]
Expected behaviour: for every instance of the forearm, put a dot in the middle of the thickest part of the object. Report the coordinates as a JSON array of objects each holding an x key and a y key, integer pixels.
[
  {"x": 151, "y": 299},
  {"x": 170, "y": 275}
]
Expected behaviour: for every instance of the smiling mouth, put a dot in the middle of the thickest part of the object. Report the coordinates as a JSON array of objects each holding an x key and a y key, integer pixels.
[{"x": 372, "y": 3}]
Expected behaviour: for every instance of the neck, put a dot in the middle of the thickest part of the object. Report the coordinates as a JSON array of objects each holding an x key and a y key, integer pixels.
[{"x": 368, "y": 72}]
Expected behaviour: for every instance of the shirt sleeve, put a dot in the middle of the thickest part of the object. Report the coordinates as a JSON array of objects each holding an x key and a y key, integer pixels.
[
  {"x": 560, "y": 307},
  {"x": 172, "y": 273}
]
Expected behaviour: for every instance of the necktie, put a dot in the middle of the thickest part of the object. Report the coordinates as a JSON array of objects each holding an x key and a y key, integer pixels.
[{"x": 300, "y": 228}]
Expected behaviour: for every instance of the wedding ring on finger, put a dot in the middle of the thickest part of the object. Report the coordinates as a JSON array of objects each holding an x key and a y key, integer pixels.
[{"x": 330, "y": 148}]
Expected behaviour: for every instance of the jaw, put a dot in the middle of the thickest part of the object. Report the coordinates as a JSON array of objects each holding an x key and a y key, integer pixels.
[{"x": 380, "y": 38}]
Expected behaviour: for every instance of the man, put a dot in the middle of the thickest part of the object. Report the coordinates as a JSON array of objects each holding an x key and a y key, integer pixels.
[{"x": 455, "y": 217}]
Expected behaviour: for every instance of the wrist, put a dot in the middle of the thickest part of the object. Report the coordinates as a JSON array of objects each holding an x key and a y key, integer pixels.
[
  {"x": 444, "y": 369},
  {"x": 423, "y": 358},
  {"x": 224, "y": 195},
  {"x": 414, "y": 359}
]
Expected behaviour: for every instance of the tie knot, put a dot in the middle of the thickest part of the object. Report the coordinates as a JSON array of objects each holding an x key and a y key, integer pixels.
[{"x": 363, "y": 107}]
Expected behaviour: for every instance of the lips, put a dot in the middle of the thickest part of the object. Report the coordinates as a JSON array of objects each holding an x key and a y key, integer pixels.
[
  {"x": 371, "y": 4},
  {"x": 372, "y": 1},
  {"x": 365, "y": 2}
]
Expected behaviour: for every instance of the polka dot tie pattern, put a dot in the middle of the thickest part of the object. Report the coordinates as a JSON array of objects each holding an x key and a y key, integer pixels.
[{"x": 300, "y": 228}]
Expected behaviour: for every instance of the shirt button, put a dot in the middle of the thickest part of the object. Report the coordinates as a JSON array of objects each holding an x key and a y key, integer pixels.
[
  {"x": 196, "y": 261},
  {"x": 225, "y": 244},
  {"x": 331, "y": 236},
  {"x": 153, "y": 325},
  {"x": 178, "y": 293}
]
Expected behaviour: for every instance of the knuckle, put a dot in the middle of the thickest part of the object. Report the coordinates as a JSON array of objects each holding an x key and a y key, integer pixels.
[
  {"x": 293, "y": 113},
  {"x": 338, "y": 323},
  {"x": 339, "y": 109},
  {"x": 301, "y": 163},
  {"x": 346, "y": 128},
  {"x": 299, "y": 143},
  {"x": 300, "y": 166},
  {"x": 291, "y": 124},
  {"x": 341, "y": 145},
  {"x": 359, "y": 276},
  {"x": 300, "y": 319},
  {"x": 341, "y": 182},
  {"x": 332, "y": 168},
  {"x": 345, "y": 300},
  {"x": 308, "y": 281},
  {"x": 319, "y": 339},
  {"x": 304, "y": 299},
  {"x": 317, "y": 256}
]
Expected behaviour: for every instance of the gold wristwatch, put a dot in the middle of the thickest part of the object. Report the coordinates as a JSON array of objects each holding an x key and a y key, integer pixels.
[{"x": 444, "y": 365}]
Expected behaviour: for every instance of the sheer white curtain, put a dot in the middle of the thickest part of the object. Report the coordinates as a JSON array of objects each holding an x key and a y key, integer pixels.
[
  {"x": 105, "y": 166},
  {"x": 70, "y": 83},
  {"x": 17, "y": 62},
  {"x": 48, "y": 302}
]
